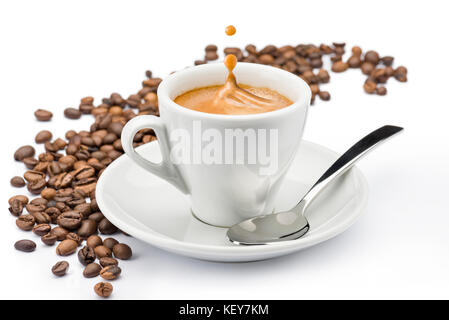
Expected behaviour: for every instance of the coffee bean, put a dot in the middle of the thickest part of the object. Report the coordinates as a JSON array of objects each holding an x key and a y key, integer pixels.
[
  {"x": 36, "y": 187},
  {"x": 25, "y": 245},
  {"x": 48, "y": 193},
  {"x": 324, "y": 95},
  {"x": 43, "y": 136},
  {"x": 400, "y": 74},
  {"x": 41, "y": 229},
  {"x": 86, "y": 255},
  {"x": 25, "y": 222},
  {"x": 110, "y": 243},
  {"x": 17, "y": 182},
  {"x": 53, "y": 213},
  {"x": 60, "y": 268},
  {"x": 356, "y": 51},
  {"x": 372, "y": 57},
  {"x": 72, "y": 113},
  {"x": 32, "y": 175},
  {"x": 110, "y": 272},
  {"x": 354, "y": 62},
  {"x": 66, "y": 247},
  {"x": 103, "y": 289},
  {"x": 102, "y": 251},
  {"x": 367, "y": 68},
  {"x": 211, "y": 55},
  {"x": 88, "y": 227},
  {"x": 16, "y": 208},
  {"x": 30, "y": 162},
  {"x": 122, "y": 251},
  {"x": 387, "y": 61},
  {"x": 41, "y": 217},
  {"x": 94, "y": 241},
  {"x": 60, "y": 233},
  {"x": 106, "y": 227},
  {"x": 340, "y": 66},
  {"x": 381, "y": 91},
  {"x": 73, "y": 236},
  {"x": 43, "y": 115},
  {"x": 108, "y": 261},
  {"x": 92, "y": 270},
  {"x": 84, "y": 209},
  {"x": 24, "y": 152},
  {"x": 21, "y": 198},
  {"x": 323, "y": 76},
  {"x": 49, "y": 239},
  {"x": 369, "y": 86},
  {"x": 84, "y": 172},
  {"x": 97, "y": 217},
  {"x": 70, "y": 220}
]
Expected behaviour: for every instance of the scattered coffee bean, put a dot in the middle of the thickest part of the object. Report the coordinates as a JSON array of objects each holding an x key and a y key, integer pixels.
[
  {"x": 21, "y": 198},
  {"x": 94, "y": 241},
  {"x": 72, "y": 113},
  {"x": 369, "y": 86},
  {"x": 110, "y": 272},
  {"x": 41, "y": 229},
  {"x": 381, "y": 91},
  {"x": 70, "y": 220},
  {"x": 92, "y": 270},
  {"x": 110, "y": 243},
  {"x": 48, "y": 193},
  {"x": 25, "y": 222},
  {"x": 73, "y": 236},
  {"x": 60, "y": 233},
  {"x": 324, "y": 95},
  {"x": 16, "y": 208},
  {"x": 122, "y": 251},
  {"x": 372, "y": 57},
  {"x": 86, "y": 255},
  {"x": 106, "y": 227},
  {"x": 17, "y": 182},
  {"x": 25, "y": 245},
  {"x": 88, "y": 227},
  {"x": 43, "y": 136},
  {"x": 340, "y": 66},
  {"x": 49, "y": 239},
  {"x": 60, "y": 268},
  {"x": 108, "y": 261},
  {"x": 103, "y": 289},
  {"x": 24, "y": 152},
  {"x": 66, "y": 247},
  {"x": 43, "y": 115},
  {"x": 102, "y": 251}
]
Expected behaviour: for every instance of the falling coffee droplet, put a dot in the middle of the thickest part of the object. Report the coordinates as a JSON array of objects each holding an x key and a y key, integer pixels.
[{"x": 230, "y": 30}]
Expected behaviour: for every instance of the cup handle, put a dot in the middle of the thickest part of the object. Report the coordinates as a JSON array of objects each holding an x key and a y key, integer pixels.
[{"x": 165, "y": 169}]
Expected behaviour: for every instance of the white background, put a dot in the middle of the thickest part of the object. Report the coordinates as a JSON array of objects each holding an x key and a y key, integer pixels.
[{"x": 52, "y": 53}]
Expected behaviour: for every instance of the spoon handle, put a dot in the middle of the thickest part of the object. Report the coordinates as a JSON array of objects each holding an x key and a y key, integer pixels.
[{"x": 347, "y": 160}]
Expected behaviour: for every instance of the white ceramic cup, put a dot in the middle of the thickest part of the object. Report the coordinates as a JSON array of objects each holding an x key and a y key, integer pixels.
[{"x": 223, "y": 194}]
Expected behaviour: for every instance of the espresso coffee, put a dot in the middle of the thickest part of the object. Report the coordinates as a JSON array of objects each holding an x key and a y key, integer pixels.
[{"x": 232, "y": 98}]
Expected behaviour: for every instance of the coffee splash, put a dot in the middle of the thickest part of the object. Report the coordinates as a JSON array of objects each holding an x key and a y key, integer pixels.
[{"x": 232, "y": 98}]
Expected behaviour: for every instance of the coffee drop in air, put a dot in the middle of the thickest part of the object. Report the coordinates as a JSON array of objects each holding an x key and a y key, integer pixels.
[{"x": 230, "y": 30}]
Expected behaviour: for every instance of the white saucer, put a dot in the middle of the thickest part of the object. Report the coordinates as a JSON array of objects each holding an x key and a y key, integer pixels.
[{"x": 153, "y": 211}]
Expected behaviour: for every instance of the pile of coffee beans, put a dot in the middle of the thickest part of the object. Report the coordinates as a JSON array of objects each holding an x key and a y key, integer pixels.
[
  {"x": 306, "y": 61},
  {"x": 63, "y": 177}
]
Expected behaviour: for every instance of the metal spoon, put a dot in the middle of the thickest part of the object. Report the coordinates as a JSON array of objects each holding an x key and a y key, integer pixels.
[{"x": 292, "y": 224}]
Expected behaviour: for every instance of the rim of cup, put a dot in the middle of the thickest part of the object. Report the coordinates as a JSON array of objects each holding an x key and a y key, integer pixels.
[{"x": 169, "y": 89}]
